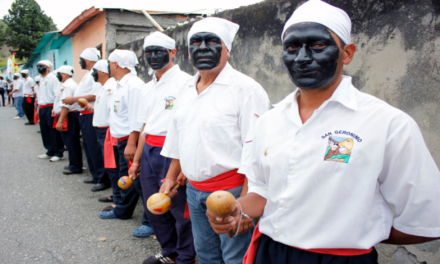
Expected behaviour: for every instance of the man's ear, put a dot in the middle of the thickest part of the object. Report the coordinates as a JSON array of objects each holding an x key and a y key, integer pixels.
[
  {"x": 349, "y": 51},
  {"x": 173, "y": 53}
]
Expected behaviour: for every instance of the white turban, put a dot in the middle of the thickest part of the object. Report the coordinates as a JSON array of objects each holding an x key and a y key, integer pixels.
[
  {"x": 17, "y": 74},
  {"x": 159, "y": 39},
  {"x": 37, "y": 78},
  {"x": 46, "y": 62},
  {"x": 25, "y": 71},
  {"x": 223, "y": 28},
  {"x": 101, "y": 65},
  {"x": 320, "y": 12},
  {"x": 91, "y": 54},
  {"x": 125, "y": 59},
  {"x": 67, "y": 70}
]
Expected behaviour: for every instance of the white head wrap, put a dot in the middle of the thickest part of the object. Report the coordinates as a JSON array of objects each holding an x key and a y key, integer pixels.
[
  {"x": 25, "y": 71},
  {"x": 125, "y": 59},
  {"x": 46, "y": 62},
  {"x": 159, "y": 39},
  {"x": 37, "y": 78},
  {"x": 223, "y": 28},
  {"x": 325, "y": 14},
  {"x": 66, "y": 69},
  {"x": 91, "y": 54},
  {"x": 101, "y": 65},
  {"x": 17, "y": 74}
]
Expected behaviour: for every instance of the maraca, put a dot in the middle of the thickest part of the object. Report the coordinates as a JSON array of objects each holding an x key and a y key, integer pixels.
[
  {"x": 159, "y": 203},
  {"x": 82, "y": 102},
  {"x": 125, "y": 182},
  {"x": 221, "y": 204}
]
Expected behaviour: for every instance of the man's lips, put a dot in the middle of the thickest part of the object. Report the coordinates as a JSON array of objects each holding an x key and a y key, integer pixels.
[{"x": 306, "y": 72}]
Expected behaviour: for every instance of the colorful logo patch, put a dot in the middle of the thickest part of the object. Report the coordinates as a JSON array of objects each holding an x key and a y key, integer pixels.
[
  {"x": 169, "y": 102},
  {"x": 339, "y": 149},
  {"x": 115, "y": 108}
]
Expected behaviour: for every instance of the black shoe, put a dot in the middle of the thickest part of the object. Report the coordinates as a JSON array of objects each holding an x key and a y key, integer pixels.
[
  {"x": 68, "y": 172},
  {"x": 91, "y": 181},
  {"x": 159, "y": 259},
  {"x": 66, "y": 167},
  {"x": 29, "y": 124},
  {"x": 99, "y": 187}
]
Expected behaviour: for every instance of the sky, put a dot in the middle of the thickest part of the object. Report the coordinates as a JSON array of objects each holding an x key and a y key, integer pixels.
[{"x": 63, "y": 12}]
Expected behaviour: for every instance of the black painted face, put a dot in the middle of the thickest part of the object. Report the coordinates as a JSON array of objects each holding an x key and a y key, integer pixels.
[
  {"x": 59, "y": 77},
  {"x": 108, "y": 67},
  {"x": 205, "y": 50},
  {"x": 15, "y": 77},
  {"x": 310, "y": 55},
  {"x": 95, "y": 75},
  {"x": 82, "y": 62},
  {"x": 23, "y": 75},
  {"x": 41, "y": 69},
  {"x": 157, "y": 57}
]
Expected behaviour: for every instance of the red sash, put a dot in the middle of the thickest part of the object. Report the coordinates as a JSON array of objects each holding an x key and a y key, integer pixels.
[
  {"x": 123, "y": 139},
  {"x": 155, "y": 141},
  {"x": 251, "y": 253},
  {"x": 86, "y": 112},
  {"x": 35, "y": 115},
  {"x": 109, "y": 153},
  {"x": 225, "y": 181},
  {"x": 44, "y": 106},
  {"x": 55, "y": 121}
]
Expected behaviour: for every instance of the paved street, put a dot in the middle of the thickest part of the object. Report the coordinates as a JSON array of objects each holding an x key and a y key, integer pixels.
[{"x": 47, "y": 217}]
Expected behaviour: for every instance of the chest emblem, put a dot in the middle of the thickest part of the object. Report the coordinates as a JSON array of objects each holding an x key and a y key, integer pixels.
[
  {"x": 339, "y": 149},
  {"x": 169, "y": 102},
  {"x": 115, "y": 108}
]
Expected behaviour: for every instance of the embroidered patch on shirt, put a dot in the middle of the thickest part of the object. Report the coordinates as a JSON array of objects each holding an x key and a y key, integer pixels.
[
  {"x": 115, "y": 108},
  {"x": 169, "y": 102},
  {"x": 97, "y": 100},
  {"x": 338, "y": 149}
]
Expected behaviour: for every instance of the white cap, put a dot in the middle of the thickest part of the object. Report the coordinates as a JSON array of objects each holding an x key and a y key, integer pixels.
[
  {"x": 159, "y": 39},
  {"x": 25, "y": 71},
  {"x": 66, "y": 69},
  {"x": 101, "y": 65},
  {"x": 91, "y": 54},
  {"x": 17, "y": 74},
  {"x": 125, "y": 59},
  {"x": 325, "y": 14},
  {"x": 46, "y": 62},
  {"x": 37, "y": 78},
  {"x": 223, "y": 28}
]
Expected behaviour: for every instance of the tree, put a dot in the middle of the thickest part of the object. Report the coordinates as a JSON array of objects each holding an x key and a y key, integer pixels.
[
  {"x": 2, "y": 33},
  {"x": 25, "y": 26}
]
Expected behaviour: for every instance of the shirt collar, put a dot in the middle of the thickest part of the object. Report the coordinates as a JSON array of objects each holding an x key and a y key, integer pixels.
[
  {"x": 125, "y": 79},
  {"x": 167, "y": 75},
  {"x": 222, "y": 78}
]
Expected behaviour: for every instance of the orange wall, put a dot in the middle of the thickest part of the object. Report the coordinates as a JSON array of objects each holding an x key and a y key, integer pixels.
[{"x": 91, "y": 35}]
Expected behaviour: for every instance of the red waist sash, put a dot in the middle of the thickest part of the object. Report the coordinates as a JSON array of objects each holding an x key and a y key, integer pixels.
[
  {"x": 44, "y": 106},
  {"x": 155, "y": 141},
  {"x": 251, "y": 253},
  {"x": 225, "y": 181},
  {"x": 86, "y": 112},
  {"x": 123, "y": 139},
  {"x": 109, "y": 153},
  {"x": 55, "y": 121}
]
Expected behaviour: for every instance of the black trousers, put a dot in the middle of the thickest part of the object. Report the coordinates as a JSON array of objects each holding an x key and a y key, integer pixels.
[
  {"x": 28, "y": 108},
  {"x": 52, "y": 140},
  {"x": 2, "y": 94},
  {"x": 72, "y": 142},
  {"x": 10, "y": 97},
  {"x": 270, "y": 251}
]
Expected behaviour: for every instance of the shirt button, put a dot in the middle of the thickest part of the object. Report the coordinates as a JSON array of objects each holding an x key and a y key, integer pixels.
[
  {"x": 278, "y": 233},
  {"x": 299, "y": 135},
  {"x": 284, "y": 206},
  {"x": 292, "y": 172}
]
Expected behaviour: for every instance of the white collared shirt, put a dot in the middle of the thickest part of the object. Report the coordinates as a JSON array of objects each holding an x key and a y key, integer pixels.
[
  {"x": 57, "y": 104},
  {"x": 87, "y": 86},
  {"x": 158, "y": 99},
  {"x": 209, "y": 132},
  {"x": 48, "y": 89},
  {"x": 68, "y": 89},
  {"x": 103, "y": 103},
  {"x": 18, "y": 85},
  {"x": 28, "y": 87},
  {"x": 125, "y": 105},
  {"x": 334, "y": 181},
  {"x": 3, "y": 84}
]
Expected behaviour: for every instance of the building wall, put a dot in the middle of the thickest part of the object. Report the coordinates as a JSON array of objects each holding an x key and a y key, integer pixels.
[
  {"x": 91, "y": 35},
  {"x": 65, "y": 54},
  {"x": 397, "y": 60}
]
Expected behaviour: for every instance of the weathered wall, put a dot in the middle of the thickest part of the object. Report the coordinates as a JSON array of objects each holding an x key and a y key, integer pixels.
[{"x": 398, "y": 60}]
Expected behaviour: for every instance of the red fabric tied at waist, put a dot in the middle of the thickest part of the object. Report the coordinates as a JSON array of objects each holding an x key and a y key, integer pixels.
[
  {"x": 55, "y": 121},
  {"x": 44, "y": 106},
  {"x": 86, "y": 112},
  {"x": 155, "y": 141},
  {"x": 109, "y": 152},
  {"x": 249, "y": 257},
  {"x": 225, "y": 181},
  {"x": 123, "y": 139},
  {"x": 29, "y": 100},
  {"x": 35, "y": 115}
]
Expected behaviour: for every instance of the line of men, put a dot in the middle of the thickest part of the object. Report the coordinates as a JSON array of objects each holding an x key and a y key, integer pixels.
[
  {"x": 23, "y": 95},
  {"x": 320, "y": 197}
]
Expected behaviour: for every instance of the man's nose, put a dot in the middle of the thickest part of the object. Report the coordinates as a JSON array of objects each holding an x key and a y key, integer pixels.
[
  {"x": 303, "y": 56},
  {"x": 203, "y": 45}
]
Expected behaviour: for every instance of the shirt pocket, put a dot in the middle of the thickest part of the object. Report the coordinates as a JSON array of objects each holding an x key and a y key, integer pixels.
[{"x": 219, "y": 128}]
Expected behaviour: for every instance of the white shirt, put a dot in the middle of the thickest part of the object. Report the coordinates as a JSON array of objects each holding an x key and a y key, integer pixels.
[
  {"x": 57, "y": 104},
  {"x": 68, "y": 89},
  {"x": 48, "y": 89},
  {"x": 378, "y": 163},
  {"x": 18, "y": 85},
  {"x": 125, "y": 105},
  {"x": 3, "y": 84},
  {"x": 158, "y": 99},
  {"x": 87, "y": 86},
  {"x": 103, "y": 103},
  {"x": 209, "y": 133},
  {"x": 28, "y": 87}
]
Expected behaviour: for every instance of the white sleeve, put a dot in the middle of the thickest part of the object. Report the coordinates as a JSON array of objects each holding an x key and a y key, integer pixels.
[
  {"x": 410, "y": 180},
  {"x": 255, "y": 174},
  {"x": 256, "y": 103},
  {"x": 171, "y": 146},
  {"x": 134, "y": 98},
  {"x": 67, "y": 92}
]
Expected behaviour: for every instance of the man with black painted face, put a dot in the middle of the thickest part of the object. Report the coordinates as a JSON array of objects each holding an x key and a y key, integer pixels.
[
  {"x": 208, "y": 137},
  {"x": 49, "y": 88},
  {"x": 172, "y": 229},
  {"x": 17, "y": 94},
  {"x": 28, "y": 96},
  {"x": 87, "y": 89},
  {"x": 366, "y": 175}
]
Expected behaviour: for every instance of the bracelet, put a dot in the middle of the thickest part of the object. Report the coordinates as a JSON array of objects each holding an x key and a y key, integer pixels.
[
  {"x": 163, "y": 180},
  {"x": 137, "y": 166},
  {"x": 246, "y": 216}
]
